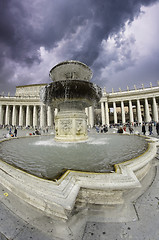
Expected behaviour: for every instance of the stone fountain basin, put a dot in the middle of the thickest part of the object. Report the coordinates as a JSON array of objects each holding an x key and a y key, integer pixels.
[
  {"x": 71, "y": 70},
  {"x": 58, "y": 198},
  {"x": 44, "y": 157}
]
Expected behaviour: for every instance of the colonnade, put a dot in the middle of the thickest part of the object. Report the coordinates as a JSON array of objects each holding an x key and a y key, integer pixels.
[
  {"x": 27, "y": 115},
  {"x": 129, "y": 110},
  {"x": 139, "y": 110}
]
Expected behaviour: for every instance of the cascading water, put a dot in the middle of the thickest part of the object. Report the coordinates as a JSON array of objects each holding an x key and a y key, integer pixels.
[{"x": 71, "y": 92}]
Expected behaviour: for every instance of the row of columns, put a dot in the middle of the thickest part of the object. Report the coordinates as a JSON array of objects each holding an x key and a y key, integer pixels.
[
  {"x": 26, "y": 115},
  {"x": 147, "y": 117},
  {"x": 42, "y": 115}
]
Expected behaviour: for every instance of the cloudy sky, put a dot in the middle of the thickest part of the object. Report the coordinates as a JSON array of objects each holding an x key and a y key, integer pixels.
[{"x": 117, "y": 39}]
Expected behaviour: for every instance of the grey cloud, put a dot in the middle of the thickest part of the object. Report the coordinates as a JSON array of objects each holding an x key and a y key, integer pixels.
[
  {"x": 27, "y": 25},
  {"x": 147, "y": 69}
]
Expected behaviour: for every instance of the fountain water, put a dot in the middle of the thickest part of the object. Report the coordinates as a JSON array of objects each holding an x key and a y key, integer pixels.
[{"x": 71, "y": 92}]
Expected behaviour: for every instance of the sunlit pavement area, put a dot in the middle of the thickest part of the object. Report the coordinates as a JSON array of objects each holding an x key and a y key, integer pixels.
[{"x": 20, "y": 221}]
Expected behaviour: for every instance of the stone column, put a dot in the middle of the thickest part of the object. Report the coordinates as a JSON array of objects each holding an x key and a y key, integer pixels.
[
  {"x": 35, "y": 116},
  {"x": 139, "y": 117},
  {"x": 28, "y": 115},
  {"x": 21, "y": 116},
  {"x": 115, "y": 113},
  {"x": 49, "y": 117},
  {"x": 91, "y": 116},
  {"x": 106, "y": 113},
  {"x": 147, "y": 111},
  {"x": 155, "y": 110},
  {"x": 42, "y": 116},
  {"x": 103, "y": 113},
  {"x": 131, "y": 112},
  {"x": 87, "y": 114},
  {"x": 1, "y": 115},
  {"x": 14, "y": 116},
  {"x": 55, "y": 112},
  {"x": 7, "y": 115},
  {"x": 122, "y": 112}
]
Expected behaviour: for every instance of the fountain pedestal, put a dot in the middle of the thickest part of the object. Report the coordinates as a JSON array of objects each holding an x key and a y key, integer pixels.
[{"x": 71, "y": 126}]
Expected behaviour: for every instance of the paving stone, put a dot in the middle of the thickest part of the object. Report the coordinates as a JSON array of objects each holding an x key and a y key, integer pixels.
[{"x": 146, "y": 228}]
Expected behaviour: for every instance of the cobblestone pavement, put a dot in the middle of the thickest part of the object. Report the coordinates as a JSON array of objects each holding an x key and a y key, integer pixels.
[{"x": 146, "y": 228}]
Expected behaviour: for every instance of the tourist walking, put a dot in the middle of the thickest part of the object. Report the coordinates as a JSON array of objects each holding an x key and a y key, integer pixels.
[
  {"x": 15, "y": 132},
  {"x": 97, "y": 129},
  {"x": 150, "y": 128},
  {"x": 157, "y": 128},
  {"x": 143, "y": 129},
  {"x": 131, "y": 129}
]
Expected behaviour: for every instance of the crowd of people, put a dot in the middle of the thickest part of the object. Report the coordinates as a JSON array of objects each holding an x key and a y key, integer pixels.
[
  {"x": 146, "y": 128},
  {"x": 12, "y": 131},
  {"x": 150, "y": 128},
  {"x": 102, "y": 129}
]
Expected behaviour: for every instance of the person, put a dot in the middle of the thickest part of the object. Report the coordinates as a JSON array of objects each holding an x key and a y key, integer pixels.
[
  {"x": 157, "y": 128},
  {"x": 15, "y": 131},
  {"x": 101, "y": 130},
  {"x": 143, "y": 129},
  {"x": 124, "y": 128},
  {"x": 120, "y": 130},
  {"x": 150, "y": 128},
  {"x": 10, "y": 131},
  {"x": 37, "y": 132},
  {"x": 97, "y": 129},
  {"x": 131, "y": 129},
  {"x": 105, "y": 128}
]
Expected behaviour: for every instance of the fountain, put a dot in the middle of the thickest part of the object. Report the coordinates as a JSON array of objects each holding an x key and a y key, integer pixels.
[
  {"x": 106, "y": 195},
  {"x": 71, "y": 92}
]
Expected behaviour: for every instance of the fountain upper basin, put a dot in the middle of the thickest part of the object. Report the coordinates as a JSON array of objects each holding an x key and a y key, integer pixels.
[{"x": 71, "y": 91}]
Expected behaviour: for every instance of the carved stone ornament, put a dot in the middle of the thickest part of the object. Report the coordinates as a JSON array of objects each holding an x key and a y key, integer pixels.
[
  {"x": 79, "y": 127},
  {"x": 66, "y": 126}
]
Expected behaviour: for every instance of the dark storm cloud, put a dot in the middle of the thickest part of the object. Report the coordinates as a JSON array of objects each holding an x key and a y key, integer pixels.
[
  {"x": 108, "y": 17},
  {"x": 27, "y": 25}
]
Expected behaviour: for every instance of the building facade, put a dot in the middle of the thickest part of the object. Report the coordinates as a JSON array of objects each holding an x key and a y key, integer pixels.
[{"x": 26, "y": 108}]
